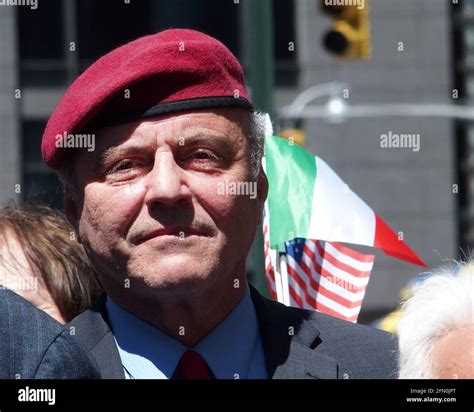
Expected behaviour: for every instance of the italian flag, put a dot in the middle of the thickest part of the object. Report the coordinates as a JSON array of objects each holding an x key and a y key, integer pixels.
[{"x": 307, "y": 199}]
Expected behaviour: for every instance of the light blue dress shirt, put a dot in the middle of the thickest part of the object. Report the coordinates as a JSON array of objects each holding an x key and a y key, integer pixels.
[{"x": 233, "y": 350}]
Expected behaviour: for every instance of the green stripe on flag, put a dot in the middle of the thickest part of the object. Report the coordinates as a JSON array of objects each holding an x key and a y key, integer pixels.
[{"x": 291, "y": 173}]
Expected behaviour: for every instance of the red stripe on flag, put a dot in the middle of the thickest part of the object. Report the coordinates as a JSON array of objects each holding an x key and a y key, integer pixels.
[
  {"x": 318, "y": 288},
  {"x": 305, "y": 287},
  {"x": 340, "y": 265},
  {"x": 334, "y": 296},
  {"x": 314, "y": 270},
  {"x": 298, "y": 299},
  {"x": 328, "y": 311},
  {"x": 352, "y": 253},
  {"x": 319, "y": 306},
  {"x": 328, "y": 275}
]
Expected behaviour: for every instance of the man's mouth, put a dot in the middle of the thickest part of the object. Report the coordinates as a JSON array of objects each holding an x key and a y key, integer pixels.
[{"x": 170, "y": 234}]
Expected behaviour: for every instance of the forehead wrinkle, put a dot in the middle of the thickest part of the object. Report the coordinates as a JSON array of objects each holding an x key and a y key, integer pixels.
[
  {"x": 197, "y": 120},
  {"x": 198, "y": 132},
  {"x": 232, "y": 133}
]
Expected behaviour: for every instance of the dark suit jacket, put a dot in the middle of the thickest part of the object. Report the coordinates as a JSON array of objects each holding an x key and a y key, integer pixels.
[
  {"x": 321, "y": 347},
  {"x": 34, "y": 346}
]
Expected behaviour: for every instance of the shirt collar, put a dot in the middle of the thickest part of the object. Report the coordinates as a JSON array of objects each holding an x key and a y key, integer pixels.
[
  {"x": 229, "y": 349},
  {"x": 147, "y": 352}
]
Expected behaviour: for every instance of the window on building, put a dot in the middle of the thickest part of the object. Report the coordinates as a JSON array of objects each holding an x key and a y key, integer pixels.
[
  {"x": 286, "y": 62},
  {"x": 106, "y": 24},
  {"x": 39, "y": 184},
  {"x": 41, "y": 45}
]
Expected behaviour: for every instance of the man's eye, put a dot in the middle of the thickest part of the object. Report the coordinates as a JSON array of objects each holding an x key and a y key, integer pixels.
[
  {"x": 124, "y": 166},
  {"x": 205, "y": 155}
]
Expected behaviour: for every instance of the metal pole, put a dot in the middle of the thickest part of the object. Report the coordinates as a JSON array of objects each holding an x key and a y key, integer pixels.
[
  {"x": 448, "y": 111},
  {"x": 258, "y": 56},
  {"x": 71, "y": 36}
]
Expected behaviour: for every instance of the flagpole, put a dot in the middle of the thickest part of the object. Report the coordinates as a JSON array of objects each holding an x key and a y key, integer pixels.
[{"x": 284, "y": 278}]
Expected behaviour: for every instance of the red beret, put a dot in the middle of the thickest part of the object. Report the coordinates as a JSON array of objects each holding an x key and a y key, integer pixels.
[{"x": 171, "y": 71}]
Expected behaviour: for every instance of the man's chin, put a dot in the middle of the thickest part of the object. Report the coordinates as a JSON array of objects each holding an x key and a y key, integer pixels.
[{"x": 174, "y": 272}]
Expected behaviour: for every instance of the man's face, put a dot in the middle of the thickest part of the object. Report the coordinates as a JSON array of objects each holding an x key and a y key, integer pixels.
[{"x": 151, "y": 204}]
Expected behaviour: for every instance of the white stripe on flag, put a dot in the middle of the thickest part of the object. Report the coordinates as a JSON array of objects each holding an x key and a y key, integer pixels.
[
  {"x": 349, "y": 260},
  {"x": 337, "y": 212},
  {"x": 315, "y": 285},
  {"x": 333, "y": 284},
  {"x": 342, "y": 310},
  {"x": 347, "y": 277}
]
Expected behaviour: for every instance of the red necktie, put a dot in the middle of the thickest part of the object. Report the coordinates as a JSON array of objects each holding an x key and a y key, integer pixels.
[{"x": 192, "y": 366}]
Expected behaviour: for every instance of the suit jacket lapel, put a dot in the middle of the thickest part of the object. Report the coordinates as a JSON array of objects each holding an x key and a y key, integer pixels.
[
  {"x": 93, "y": 330},
  {"x": 290, "y": 342}
]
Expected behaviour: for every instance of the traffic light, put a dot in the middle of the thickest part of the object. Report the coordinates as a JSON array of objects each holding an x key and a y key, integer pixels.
[{"x": 349, "y": 35}]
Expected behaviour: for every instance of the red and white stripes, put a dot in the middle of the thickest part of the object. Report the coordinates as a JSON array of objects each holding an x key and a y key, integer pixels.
[{"x": 327, "y": 277}]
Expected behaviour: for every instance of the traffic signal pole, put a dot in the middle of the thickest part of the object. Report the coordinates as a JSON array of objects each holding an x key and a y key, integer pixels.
[{"x": 257, "y": 36}]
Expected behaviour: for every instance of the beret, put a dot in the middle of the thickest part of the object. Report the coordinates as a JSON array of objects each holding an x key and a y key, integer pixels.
[{"x": 171, "y": 71}]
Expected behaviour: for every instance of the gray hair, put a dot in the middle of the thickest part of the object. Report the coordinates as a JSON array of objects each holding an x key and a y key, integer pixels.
[
  {"x": 256, "y": 139},
  {"x": 442, "y": 303},
  {"x": 255, "y": 134}
]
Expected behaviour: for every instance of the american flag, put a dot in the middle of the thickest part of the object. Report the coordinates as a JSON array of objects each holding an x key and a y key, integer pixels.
[{"x": 324, "y": 276}]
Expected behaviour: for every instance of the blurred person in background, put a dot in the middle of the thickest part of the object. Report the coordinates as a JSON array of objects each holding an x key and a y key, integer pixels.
[
  {"x": 436, "y": 328},
  {"x": 41, "y": 261}
]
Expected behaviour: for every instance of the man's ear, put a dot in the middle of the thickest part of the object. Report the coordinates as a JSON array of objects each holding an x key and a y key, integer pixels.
[
  {"x": 71, "y": 211},
  {"x": 262, "y": 192}
]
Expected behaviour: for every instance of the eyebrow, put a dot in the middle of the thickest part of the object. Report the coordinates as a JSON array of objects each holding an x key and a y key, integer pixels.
[
  {"x": 110, "y": 153},
  {"x": 201, "y": 136}
]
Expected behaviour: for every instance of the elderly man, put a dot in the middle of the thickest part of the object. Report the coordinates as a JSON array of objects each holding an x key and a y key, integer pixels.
[
  {"x": 436, "y": 330},
  {"x": 173, "y": 122}
]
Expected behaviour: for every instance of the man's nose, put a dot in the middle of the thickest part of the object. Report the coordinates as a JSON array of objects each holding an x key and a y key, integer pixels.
[{"x": 165, "y": 182}]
